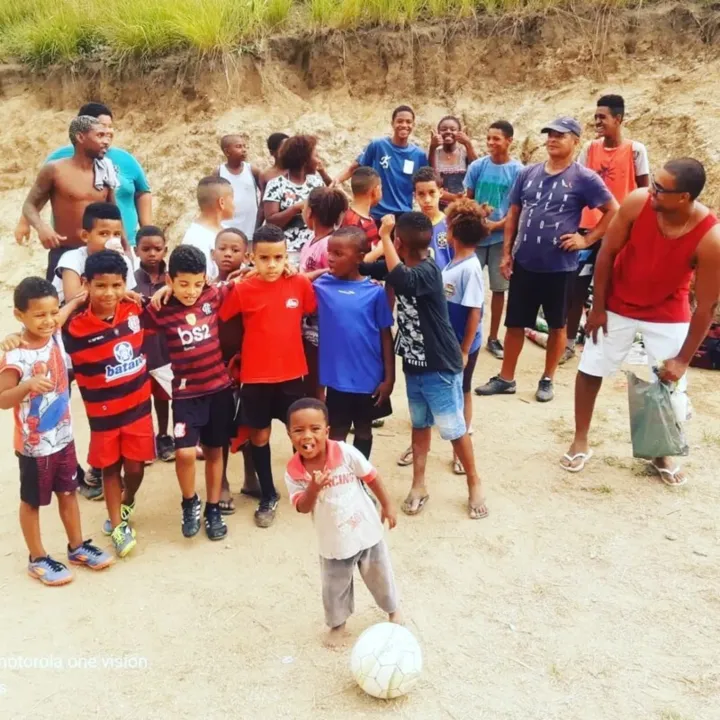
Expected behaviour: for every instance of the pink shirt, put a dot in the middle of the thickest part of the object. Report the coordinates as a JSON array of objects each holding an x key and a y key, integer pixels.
[{"x": 314, "y": 255}]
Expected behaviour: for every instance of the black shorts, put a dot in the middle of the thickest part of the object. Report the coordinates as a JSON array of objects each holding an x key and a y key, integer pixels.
[
  {"x": 529, "y": 291},
  {"x": 469, "y": 370},
  {"x": 347, "y": 409},
  {"x": 207, "y": 419},
  {"x": 263, "y": 402},
  {"x": 40, "y": 477}
]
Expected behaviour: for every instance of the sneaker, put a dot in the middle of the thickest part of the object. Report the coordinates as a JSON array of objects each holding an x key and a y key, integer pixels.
[
  {"x": 123, "y": 539},
  {"x": 191, "y": 517},
  {"x": 569, "y": 354},
  {"x": 265, "y": 514},
  {"x": 215, "y": 526},
  {"x": 165, "y": 448},
  {"x": 380, "y": 422},
  {"x": 90, "y": 556},
  {"x": 49, "y": 571},
  {"x": 91, "y": 486},
  {"x": 495, "y": 348},
  {"x": 497, "y": 386},
  {"x": 545, "y": 392},
  {"x": 126, "y": 512}
]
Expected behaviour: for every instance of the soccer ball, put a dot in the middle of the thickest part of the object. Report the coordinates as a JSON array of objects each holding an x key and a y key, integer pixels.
[{"x": 386, "y": 661}]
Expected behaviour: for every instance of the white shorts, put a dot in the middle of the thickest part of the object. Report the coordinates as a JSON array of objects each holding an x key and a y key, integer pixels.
[{"x": 662, "y": 342}]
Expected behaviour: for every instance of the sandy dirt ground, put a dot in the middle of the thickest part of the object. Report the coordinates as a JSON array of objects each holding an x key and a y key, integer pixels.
[{"x": 589, "y": 597}]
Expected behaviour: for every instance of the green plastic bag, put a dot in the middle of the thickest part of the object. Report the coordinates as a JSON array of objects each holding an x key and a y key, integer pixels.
[{"x": 654, "y": 429}]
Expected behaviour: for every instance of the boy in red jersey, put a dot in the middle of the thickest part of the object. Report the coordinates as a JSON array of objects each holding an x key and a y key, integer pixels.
[
  {"x": 203, "y": 405},
  {"x": 104, "y": 340},
  {"x": 367, "y": 193},
  {"x": 273, "y": 361}
]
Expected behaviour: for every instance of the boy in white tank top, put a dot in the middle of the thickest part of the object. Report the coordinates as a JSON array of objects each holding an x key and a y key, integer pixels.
[{"x": 244, "y": 180}]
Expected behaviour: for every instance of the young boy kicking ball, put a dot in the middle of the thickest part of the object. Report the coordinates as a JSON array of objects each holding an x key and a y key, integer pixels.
[
  {"x": 34, "y": 383},
  {"x": 325, "y": 478}
]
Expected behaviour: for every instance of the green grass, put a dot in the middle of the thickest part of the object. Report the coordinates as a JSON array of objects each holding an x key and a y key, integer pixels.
[{"x": 48, "y": 31}]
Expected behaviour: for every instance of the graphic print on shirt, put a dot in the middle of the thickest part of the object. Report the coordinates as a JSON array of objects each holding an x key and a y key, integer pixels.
[
  {"x": 385, "y": 162},
  {"x": 42, "y": 420},
  {"x": 409, "y": 340},
  {"x": 533, "y": 229}
]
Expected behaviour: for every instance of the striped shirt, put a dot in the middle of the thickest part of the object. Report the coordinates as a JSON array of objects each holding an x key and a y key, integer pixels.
[
  {"x": 193, "y": 342},
  {"x": 109, "y": 365}
]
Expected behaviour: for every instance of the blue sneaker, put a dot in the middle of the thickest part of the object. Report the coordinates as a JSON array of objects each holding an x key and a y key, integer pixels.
[
  {"x": 123, "y": 538},
  {"x": 90, "y": 556},
  {"x": 49, "y": 571},
  {"x": 125, "y": 512}
]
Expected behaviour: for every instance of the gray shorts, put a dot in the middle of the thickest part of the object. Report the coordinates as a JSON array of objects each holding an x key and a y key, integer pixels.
[
  {"x": 337, "y": 583},
  {"x": 490, "y": 257}
]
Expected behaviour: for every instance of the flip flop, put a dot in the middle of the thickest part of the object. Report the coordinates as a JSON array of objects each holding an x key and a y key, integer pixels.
[
  {"x": 406, "y": 458},
  {"x": 457, "y": 467},
  {"x": 407, "y": 506},
  {"x": 257, "y": 494},
  {"x": 227, "y": 507},
  {"x": 477, "y": 512},
  {"x": 584, "y": 457},
  {"x": 668, "y": 476}
]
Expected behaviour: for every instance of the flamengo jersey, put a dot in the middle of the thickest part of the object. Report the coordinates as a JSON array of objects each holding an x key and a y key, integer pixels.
[
  {"x": 193, "y": 342},
  {"x": 109, "y": 365}
]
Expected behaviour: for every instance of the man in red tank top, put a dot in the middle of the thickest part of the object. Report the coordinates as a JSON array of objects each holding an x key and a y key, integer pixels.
[{"x": 658, "y": 239}]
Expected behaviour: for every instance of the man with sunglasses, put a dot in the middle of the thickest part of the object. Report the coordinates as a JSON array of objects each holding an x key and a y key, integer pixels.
[
  {"x": 658, "y": 239},
  {"x": 623, "y": 166}
]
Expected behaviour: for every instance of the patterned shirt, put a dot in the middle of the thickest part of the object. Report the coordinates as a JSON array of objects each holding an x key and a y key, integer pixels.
[
  {"x": 109, "y": 365},
  {"x": 42, "y": 420},
  {"x": 193, "y": 342}
]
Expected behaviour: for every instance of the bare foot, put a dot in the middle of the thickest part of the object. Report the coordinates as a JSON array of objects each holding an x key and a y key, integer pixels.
[
  {"x": 336, "y": 637},
  {"x": 477, "y": 507},
  {"x": 251, "y": 486},
  {"x": 396, "y": 617},
  {"x": 669, "y": 473},
  {"x": 576, "y": 457},
  {"x": 415, "y": 501}
]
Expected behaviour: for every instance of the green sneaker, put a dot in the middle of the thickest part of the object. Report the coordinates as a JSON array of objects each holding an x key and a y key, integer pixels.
[
  {"x": 126, "y": 512},
  {"x": 123, "y": 539}
]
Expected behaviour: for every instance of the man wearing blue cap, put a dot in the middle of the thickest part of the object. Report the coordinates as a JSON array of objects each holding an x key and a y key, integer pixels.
[{"x": 540, "y": 250}]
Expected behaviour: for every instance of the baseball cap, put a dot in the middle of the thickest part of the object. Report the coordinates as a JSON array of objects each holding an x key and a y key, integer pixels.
[{"x": 564, "y": 125}]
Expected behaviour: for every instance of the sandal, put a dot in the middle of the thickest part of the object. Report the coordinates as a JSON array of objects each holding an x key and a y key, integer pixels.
[
  {"x": 406, "y": 458},
  {"x": 457, "y": 467},
  {"x": 257, "y": 494},
  {"x": 414, "y": 505},
  {"x": 570, "y": 459},
  {"x": 227, "y": 507},
  {"x": 669, "y": 477},
  {"x": 477, "y": 512}
]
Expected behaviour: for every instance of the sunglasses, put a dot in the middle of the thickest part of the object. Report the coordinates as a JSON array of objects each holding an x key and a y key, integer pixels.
[{"x": 660, "y": 190}]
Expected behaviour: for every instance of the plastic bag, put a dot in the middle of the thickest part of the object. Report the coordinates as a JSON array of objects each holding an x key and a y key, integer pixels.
[{"x": 654, "y": 428}]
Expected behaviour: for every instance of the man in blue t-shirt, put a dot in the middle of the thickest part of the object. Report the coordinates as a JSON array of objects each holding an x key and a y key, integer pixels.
[
  {"x": 540, "y": 249},
  {"x": 132, "y": 195},
  {"x": 488, "y": 181},
  {"x": 356, "y": 356},
  {"x": 395, "y": 159}
]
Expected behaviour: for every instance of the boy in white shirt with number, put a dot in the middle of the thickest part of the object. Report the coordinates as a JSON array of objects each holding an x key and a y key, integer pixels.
[{"x": 326, "y": 478}]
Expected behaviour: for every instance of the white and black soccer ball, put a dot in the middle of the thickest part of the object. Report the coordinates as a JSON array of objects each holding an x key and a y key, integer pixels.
[{"x": 386, "y": 661}]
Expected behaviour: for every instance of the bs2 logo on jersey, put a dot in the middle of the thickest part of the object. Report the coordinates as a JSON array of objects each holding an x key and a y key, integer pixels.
[
  {"x": 195, "y": 334},
  {"x": 128, "y": 364}
]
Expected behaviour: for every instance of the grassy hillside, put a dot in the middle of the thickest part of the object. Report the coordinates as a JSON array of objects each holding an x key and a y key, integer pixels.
[{"x": 46, "y": 31}]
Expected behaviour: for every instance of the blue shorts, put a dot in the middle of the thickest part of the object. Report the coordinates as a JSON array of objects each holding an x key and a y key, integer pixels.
[{"x": 436, "y": 398}]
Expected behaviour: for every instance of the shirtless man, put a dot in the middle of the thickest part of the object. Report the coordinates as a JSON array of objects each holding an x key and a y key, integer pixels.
[
  {"x": 659, "y": 238},
  {"x": 70, "y": 185}
]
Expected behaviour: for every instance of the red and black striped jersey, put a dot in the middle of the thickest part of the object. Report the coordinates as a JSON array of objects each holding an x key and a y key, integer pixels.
[
  {"x": 193, "y": 341},
  {"x": 109, "y": 365}
]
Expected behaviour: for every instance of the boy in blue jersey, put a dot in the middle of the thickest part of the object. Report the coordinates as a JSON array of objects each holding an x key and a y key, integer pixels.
[
  {"x": 465, "y": 294},
  {"x": 395, "y": 159},
  {"x": 489, "y": 179},
  {"x": 427, "y": 188},
  {"x": 357, "y": 362}
]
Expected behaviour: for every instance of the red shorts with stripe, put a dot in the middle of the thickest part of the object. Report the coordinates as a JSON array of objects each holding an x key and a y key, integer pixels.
[{"x": 135, "y": 441}]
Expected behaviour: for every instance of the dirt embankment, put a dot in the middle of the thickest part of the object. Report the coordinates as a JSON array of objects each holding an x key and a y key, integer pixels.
[{"x": 342, "y": 87}]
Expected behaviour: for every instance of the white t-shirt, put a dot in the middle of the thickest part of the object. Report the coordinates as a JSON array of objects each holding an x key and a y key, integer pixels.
[
  {"x": 43, "y": 424},
  {"x": 75, "y": 260},
  {"x": 345, "y": 517},
  {"x": 245, "y": 195},
  {"x": 203, "y": 239}
]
